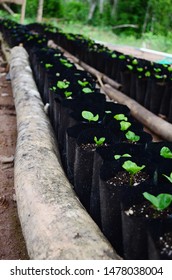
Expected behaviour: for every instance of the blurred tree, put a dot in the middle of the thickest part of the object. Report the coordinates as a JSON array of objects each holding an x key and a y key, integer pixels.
[{"x": 40, "y": 10}]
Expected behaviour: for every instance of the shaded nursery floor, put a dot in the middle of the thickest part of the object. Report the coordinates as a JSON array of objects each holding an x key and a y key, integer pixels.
[{"x": 12, "y": 245}]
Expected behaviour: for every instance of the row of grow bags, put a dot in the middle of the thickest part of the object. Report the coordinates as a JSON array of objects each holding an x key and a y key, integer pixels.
[
  {"x": 80, "y": 122},
  {"x": 97, "y": 141},
  {"x": 149, "y": 83}
]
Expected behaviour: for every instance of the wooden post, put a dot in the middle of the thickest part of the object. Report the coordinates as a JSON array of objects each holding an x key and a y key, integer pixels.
[{"x": 23, "y": 10}]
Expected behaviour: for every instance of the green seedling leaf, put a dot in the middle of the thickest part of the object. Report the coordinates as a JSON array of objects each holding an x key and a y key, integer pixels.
[
  {"x": 83, "y": 83},
  {"x": 108, "y": 112},
  {"x": 57, "y": 54},
  {"x": 48, "y": 65},
  {"x": 100, "y": 141},
  {"x": 169, "y": 69},
  {"x": 160, "y": 202},
  {"x": 135, "y": 61},
  {"x": 130, "y": 67},
  {"x": 147, "y": 74},
  {"x": 119, "y": 156},
  {"x": 63, "y": 84},
  {"x": 89, "y": 116},
  {"x": 113, "y": 55},
  {"x": 53, "y": 88},
  {"x": 120, "y": 117},
  {"x": 87, "y": 90},
  {"x": 66, "y": 62},
  {"x": 122, "y": 56},
  {"x": 68, "y": 94},
  {"x": 131, "y": 167},
  {"x": 157, "y": 70},
  {"x": 124, "y": 125},
  {"x": 131, "y": 136},
  {"x": 168, "y": 177},
  {"x": 139, "y": 69},
  {"x": 166, "y": 152}
]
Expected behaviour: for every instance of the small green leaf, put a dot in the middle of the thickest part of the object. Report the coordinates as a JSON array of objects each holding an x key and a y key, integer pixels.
[
  {"x": 124, "y": 125},
  {"x": 66, "y": 62},
  {"x": 113, "y": 55},
  {"x": 166, "y": 152},
  {"x": 119, "y": 156},
  {"x": 122, "y": 56},
  {"x": 147, "y": 74},
  {"x": 131, "y": 136},
  {"x": 131, "y": 167},
  {"x": 108, "y": 112},
  {"x": 89, "y": 116},
  {"x": 160, "y": 202},
  {"x": 139, "y": 69},
  {"x": 48, "y": 65},
  {"x": 63, "y": 84},
  {"x": 170, "y": 69},
  {"x": 135, "y": 61},
  {"x": 168, "y": 177},
  {"x": 68, "y": 93},
  {"x": 100, "y": 141},
  {"x": 130, "y": 67},
  {"x": 120, "y": 117},
  {"x": 83, "y": 83},
  {"x": 87, "y": 90}
]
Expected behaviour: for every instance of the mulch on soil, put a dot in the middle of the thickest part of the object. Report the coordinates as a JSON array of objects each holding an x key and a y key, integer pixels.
[{"x": 12, "y": 244}]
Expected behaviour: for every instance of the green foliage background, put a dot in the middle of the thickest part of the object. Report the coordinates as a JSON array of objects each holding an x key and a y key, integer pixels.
[{"x": 73, "y": 16}]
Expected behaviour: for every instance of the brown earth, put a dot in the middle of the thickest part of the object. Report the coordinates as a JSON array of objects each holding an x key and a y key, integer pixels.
[{"x": 12, "y": 244}]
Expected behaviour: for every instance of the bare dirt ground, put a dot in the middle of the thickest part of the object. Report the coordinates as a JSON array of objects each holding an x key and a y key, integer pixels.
[{"x": 12, "y": 245}]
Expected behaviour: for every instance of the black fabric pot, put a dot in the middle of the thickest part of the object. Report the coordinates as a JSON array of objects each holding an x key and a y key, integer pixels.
[
  {"x": 163, "y": 165},
  {"x": 133, "y": 85},
  {"x": 148, "y": 93},
  {"x": 102, "y": 155},
  {"x": 157, "y": 92},
  {"x": 141, "y": 86},
  {"x": 157, "y": 239},
  {"x": 145, "y": 137},
  {"x": 126, "y": 81},
  {"x": 84, "y": 158},
  {"x": 72, "y": 134},
  {"x": 134, "y": 228},
  {"x": 110, "y": 198},
  {"x": 165, "y": 101},
  {"x": 75, "y": 117}
]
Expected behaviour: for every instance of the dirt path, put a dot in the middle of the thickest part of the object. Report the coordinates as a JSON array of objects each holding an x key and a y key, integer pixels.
[{"x": 12, "y": 245}]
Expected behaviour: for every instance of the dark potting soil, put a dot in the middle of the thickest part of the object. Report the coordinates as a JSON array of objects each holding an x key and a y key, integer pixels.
[
  {"x": 146, "y": 210},
  {"x": 165, "y": 244},
  {"x": 122, "y": 178},
  {"x": 91, "y": 146}
]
